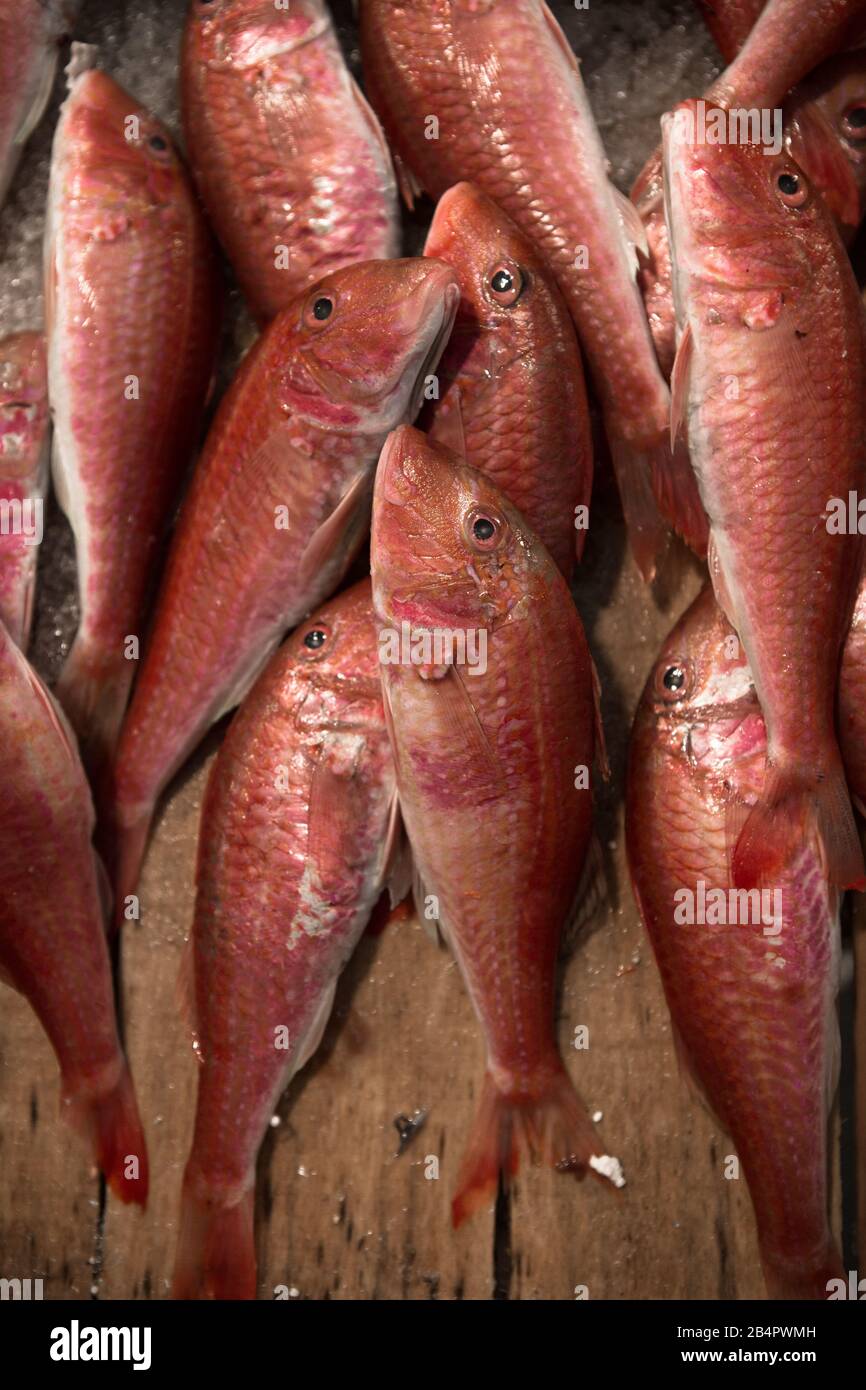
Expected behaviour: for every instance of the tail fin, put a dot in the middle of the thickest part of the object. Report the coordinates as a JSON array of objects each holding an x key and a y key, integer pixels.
[
  {"x": 554, "y": 1128},
  {"x": 110, "y": 1123},
  {"x": 635, "y": 469},
  {"x": 94, "y": 692},
  {"x": 216, "y": 1255},
  {"x": 678, "y": 497},
  {"x": 793, "y": 809}
]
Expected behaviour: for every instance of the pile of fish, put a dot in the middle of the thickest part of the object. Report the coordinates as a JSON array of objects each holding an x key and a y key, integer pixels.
[{"x": 369, "y": 555}]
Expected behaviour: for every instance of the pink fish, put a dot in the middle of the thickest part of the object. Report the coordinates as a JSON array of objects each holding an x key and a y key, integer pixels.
[{"x": 24, "y": 437}]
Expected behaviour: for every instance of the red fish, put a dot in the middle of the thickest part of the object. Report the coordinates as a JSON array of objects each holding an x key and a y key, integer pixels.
[
  {"x": 730, "y": 22},
  {"x": 23, "y": 476},
  {"x": 132, "y": 295},
  {"x": 512, "y": 399},
  {"x": 30, "y": 35},
  {"x": 468, "y": 65},
  {"x": 296, "y": 842},
  {"x": 788, "y": 42},
  {"x": 278, "y": 506},
  {"x": 825, "y": 123},
  {"x": 769, "y": 378},
  {"x": 750, "y": 978},
  {"x": 852, "y": 703},
  {"x": 493, "y": 729},
  {"x": 290, "y": 160},
  {"x": 52, "y": 937}
]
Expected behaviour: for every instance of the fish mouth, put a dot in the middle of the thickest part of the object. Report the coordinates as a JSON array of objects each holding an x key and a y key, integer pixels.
[{"x": 448, "y": 313}]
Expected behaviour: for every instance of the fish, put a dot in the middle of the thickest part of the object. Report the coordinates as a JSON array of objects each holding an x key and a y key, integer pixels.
[
  {"x": 278, "y": 507},
  {"x": 750, "y": 980},
  {"x": 788, "y": 43},
  {"x": 467, "y": 64},
  {"x": 493, "y": 730},
  {"x": 852, "y": 705},
  {"x": 825, "y": 129},
  {"x": 298, "y": 838},
  {"x": 24, "y": 455},
  {"x": 133, "y": 306},
  {"x": 53, "y": 947},
  {"x": 290, "y": 160},
  {"x": 511, "y": 397},
  {"x": 730, "y": 22},
  {"x": 31, "y": 32},
  {"x": 768, "y": 383}
]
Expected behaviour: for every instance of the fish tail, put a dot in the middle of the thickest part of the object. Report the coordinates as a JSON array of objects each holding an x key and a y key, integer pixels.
[
  {"x": 553, "y": 1128},
  {"x": 110, "y": 1123},
  {"x": 94, "y": 691},
  {"x": 796, "y": 809},
  {"x": 804, "y": 1277},
  {"x": 216, "y": 1253},
  {"x": 647, "y": 533}
]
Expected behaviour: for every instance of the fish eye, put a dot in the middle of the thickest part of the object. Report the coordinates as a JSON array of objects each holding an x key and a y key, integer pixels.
[
  {"x": 319, "y": 309},
  {"x": 483, "y": 529},
  {"x": 854, "y": 122},
  {"x": 674, "y": 681},
  {"x": 505, "y": 284},
  {"x": 315, "y": 639},
  {"x": 158, "y": 145},
  {"x": 792, "y": 189}
]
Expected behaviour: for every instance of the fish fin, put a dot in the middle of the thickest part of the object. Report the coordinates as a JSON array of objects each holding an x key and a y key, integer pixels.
[
  {"x": 434, "y": 929},
  {"x": 36, "y": 110},
  {"x": 408, "y": 183},
  {"x": 447, "y": 427},
  {"x": 646, "y": 529},
  {"x": 457, "y": 710},
  {"x": 592, "y": 892},
  {"x": 680, "y": 384},
  {"x": 719, "y": 583},
  {"x": 600, "y": 744},
  {"x": 633, "y": 229},
  {"x": 396, "y": 872},
  {"x": 794, "y": 808},
  {"x": 559, "y": 37},
  {"x": 110, "y": 1123},
  {"x": 94, "y": 692},
  {"x": 336, "y": 805},
  {"x": 678, "y": 497},
  {"x": 348, "y": 519},
  {"x": 216, "y": 1253},
  {"x": 553, "y": 1128},
  {"x": 311, "y": 1039}
]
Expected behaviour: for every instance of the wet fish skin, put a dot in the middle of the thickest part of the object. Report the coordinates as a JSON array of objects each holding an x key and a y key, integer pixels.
[
  {"x": 512, "y": 397},
  {"x": 467, "y": 64},
  {"x": 24, "y": 453},
  {"x": 52, "y": 939},
  {"x": 852, "y": 705},
  {"x": 296, "y": 436},
  {"x": 754, "y": 1013},
  {"x": 730, "y": 22},
  {"x": 487, "y": 757},
  {"x": 133, "y": 299},
  {"x": 285, "y": 150},
  {"x": 30, "y": 36},
  {"x": 791, "y": 40},
  {"x": 766, "y": 298},
  {"x": 297, "y": 829}
]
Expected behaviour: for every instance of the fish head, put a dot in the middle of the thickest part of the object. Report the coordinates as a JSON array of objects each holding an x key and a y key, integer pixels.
[
  {"x": 699, "y": 706},
  {"x": 447, "y": 549},
  {"x": 335, "y": 664},
  {"x": 358, "y": 347},
  {"x": 742, "y": 221},
  {"x": 115, "y": 163},
  {"x": 507, "y": 301},
  {"x": 825, "y": 130},
  {"x": 236, "y": 35}
]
